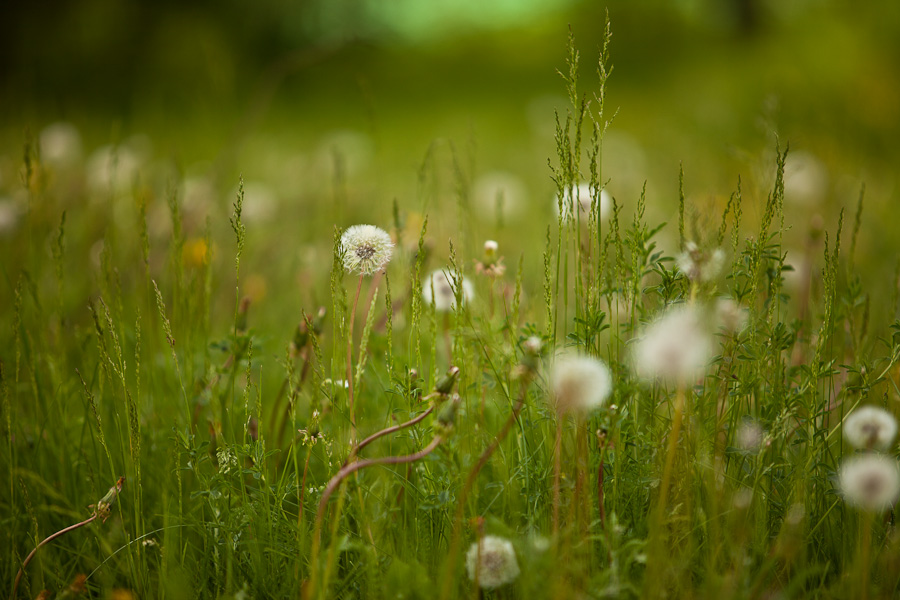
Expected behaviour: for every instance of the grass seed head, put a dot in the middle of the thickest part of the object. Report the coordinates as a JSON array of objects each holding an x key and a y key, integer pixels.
[{"x": 437, "y": 289}]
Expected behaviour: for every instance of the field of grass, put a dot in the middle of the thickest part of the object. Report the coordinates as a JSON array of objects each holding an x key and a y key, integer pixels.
[{"x": 196, "y": 365}]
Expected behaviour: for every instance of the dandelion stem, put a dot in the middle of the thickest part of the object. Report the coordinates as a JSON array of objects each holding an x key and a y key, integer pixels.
[
  {"x": 339, "y": 478},
  {"x": 470, "y": 482},
  {"x": 350, "y": 362},
  {"x": 387, "y": 431},
  {"x": 47, "y": 540}
]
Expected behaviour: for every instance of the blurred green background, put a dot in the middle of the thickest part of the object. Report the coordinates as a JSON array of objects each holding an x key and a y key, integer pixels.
[{"x": 337, "y": 103}]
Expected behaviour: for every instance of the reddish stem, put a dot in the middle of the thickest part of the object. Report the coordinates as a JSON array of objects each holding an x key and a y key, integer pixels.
[
  {"x": 47, "y": 540},
  {"x": 387, "y": 431}
]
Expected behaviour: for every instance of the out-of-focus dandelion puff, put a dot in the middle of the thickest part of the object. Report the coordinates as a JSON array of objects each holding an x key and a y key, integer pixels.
[
  {"x": 730, "y": 315},
  {"x": 870, "y": 482},
  {"x": 805, "y": 179},
  {"x": 260, "y": 202},
  {"x": 742, "y": 498},
  {"x": 492, "y": 561},
  {"x": 749, "y": 436},
  {"x": 580, "y": 199},
  {"x": 438, "y": 290},
  {"x": 366, "y": 248},
  {"x": 9, "y": 215},
  {"x": 60, "y": 145},
  {"x": 676, "y": 346},
  {"x": 113, "y": 169},
  {"x": 870, "y": 428},
  {"x": 580, "y": 384},
  {"x": 499, "y": 193},
  {"x": 699, "y": 264},
  {"x": 199, "y": 195}
]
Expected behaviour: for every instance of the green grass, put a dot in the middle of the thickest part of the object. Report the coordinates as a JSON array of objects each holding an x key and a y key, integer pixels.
[{"x": 128, "y": 351}]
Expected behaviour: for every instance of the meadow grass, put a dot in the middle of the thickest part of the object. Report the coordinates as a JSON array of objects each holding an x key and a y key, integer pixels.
[{"x": 133, "y": 353}]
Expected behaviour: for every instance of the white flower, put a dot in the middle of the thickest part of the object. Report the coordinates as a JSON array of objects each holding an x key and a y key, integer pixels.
[
  {"x": 870, "y": 428},
  {"x": 443, "y": 295},
  {"x": 366, "y": 249},
  {"x": 805, "y": 179},
  {"x": 582, "y": 201},
  {"x": 492, "y": 561},
  {"x": 730, "y": 315},
  {"x": 870, "y": 482},
  {"x": 490, "y": 248},
  {"x": 700, "y": 265},
  {"x": 676, "y": 346},
  {"x": 580, "y": 384}
]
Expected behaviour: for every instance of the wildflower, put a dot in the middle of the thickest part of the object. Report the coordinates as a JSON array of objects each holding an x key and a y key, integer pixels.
[
  {"x": 698, "y": 264},
  {"x": 870, "y": 428},
  {"x": 730, "y": 315},
  {"x": 582, "y": 201},
  {"x": 676, "y": 346},
  {"x": 492, "y": 560},
  {"x": 492, "y": 265},
  {"x": 366, "y": 249},
  {"x": 437, "y": 289},
  {"x": 870, "y": 482},
  {"x": 580, "y": 384}
]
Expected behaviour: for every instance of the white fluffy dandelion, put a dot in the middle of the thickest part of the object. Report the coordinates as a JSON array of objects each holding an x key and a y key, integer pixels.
[
  {"x": 870, "y": 428},
  {"x": 492, "y": 561},
  {"x": 698, "y": 264},
  {"x": 580, "y": 384},
  {"x": 366, "y": 249},
  {"x": 730, "y": 315},
  {"x": 676, "y": 346},
  {"x": 438, "y": 289},
  {"x": 580, "y": 199},
  {"x": 870, "y": 482},
  {"x": 750, "y": 436}
]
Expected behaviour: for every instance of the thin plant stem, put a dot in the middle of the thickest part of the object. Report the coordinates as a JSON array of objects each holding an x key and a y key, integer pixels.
[
  {"x": 338, "y": 478},
  {"x": 46, "y": 541},
  {"x": 470, "y": 482},
  {"x": 387, "y": 431},
  {"x": 557, "y": 470},
  {"x": 350, "y": 362}
]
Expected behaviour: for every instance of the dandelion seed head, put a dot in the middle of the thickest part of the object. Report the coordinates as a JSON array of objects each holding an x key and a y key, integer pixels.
[
  {"x": 749, "y": 436},
  {"x": 366, "y": 248},
  {"x": 492, "y": 561},
  {"x": 870, "y": 428},
  {"x": 730, "y": 315},
  {"x": 438, "y": 290},
  {"x": 579, "y": 199},
  {"x": 870, "y": 482},
  {"x": 698, "y": 264},
  {"x": 676, "y": 346},
  {"x": 580, "y": 384}
]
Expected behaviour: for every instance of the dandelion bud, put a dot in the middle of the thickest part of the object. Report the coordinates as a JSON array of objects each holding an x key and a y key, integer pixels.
[
  {"x": 870, "y": 482},
  {"x": 103, "y": 507},
  {"x": 492, "y": 562},
  {"x": 698, "y": 264},
  {"x": 490, "y": 250},
  {"x": 446, "y": 418},
  {"x": 445, "y": 385},
  {"x": 870, "y": 428},
  {"x": 580, "y": 384},
  {"x": 366, "y": 249}
]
